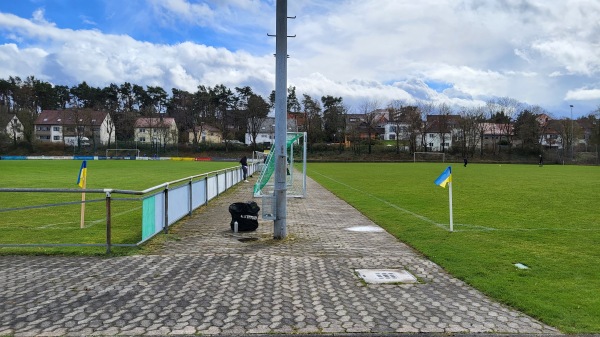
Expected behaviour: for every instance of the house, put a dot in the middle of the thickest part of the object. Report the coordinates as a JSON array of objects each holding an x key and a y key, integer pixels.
[
  {"x": 441, "y": 130},
  {"x": 71, "y": 126},
  {"x": 206, "y": 134},
  {"x": 14, "y": 128},
  {"x": 156, "y": 130},
  {"x": 266, "y": 132},
  {"x": 494, "y": 135}
]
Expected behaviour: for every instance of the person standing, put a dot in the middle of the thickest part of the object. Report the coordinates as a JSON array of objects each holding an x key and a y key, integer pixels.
[
  {"x": 541, "y": 162},
  {"x": 465, "y": 161},
  {"x": 244, "y": 162}
]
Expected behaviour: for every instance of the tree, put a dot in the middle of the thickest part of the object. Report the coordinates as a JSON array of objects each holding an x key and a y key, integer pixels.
[
  {"x": 222, "y": 101},
  {"x": 313, "y": 120},
  {"x": 444, "y": 127},
  {"x": 527, "y": 129},
  {"x": 594, "y": 119},
  {"x": 333, "y": 118},
  {"x": 369, "y": 110},
  {"x": 502, "y": 111},
  {"x": 203, "y": 110},
  {"x": 258, "y": 109},
  {"x": 181, "y": 107},
  {"x": 469, "y": 125},
  {"x": 425, "y": 108}
]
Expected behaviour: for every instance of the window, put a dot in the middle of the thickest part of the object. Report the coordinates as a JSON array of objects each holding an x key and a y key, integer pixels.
[
  {"x": 142, "y": 139},
  {"x": 56, "y": 128},
  {"x": 430, "y": 144},
  {"x": 56, "y": 138},
  {"x": 142, "y": 130}
]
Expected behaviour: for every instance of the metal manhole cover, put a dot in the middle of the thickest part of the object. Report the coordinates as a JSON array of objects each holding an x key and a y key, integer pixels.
[{"x": 386, "y": 276}]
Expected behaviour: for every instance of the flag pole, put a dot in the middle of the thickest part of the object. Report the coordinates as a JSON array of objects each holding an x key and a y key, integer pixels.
[
  {"x": 450, "y": 202},
  {"x": 82, "y": 224}
]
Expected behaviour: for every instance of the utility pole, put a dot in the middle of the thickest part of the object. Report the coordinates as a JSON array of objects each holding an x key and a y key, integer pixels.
[{"x": 280, "y": 191}]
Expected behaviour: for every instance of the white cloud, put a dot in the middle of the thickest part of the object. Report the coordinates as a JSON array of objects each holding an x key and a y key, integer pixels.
[
  {"x": 583, "y": 95},
  {"x": 536, "y": 51}
]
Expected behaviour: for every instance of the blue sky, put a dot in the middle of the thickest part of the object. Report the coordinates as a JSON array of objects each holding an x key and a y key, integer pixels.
[{"x": 458, "y": 52}]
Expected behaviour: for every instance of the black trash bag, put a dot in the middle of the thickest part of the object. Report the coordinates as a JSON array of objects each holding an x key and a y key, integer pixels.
[{"x": 246, "y": 215}]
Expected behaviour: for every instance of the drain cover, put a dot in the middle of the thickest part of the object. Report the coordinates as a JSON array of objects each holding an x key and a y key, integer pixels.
[{"x": 386, "y": 276}]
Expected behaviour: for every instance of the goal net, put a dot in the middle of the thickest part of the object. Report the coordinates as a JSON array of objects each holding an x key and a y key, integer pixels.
[
  {"x": 122, "y": 153},
  {"x": 429, "y": 157},
  {"x": 296, "y": 168}
]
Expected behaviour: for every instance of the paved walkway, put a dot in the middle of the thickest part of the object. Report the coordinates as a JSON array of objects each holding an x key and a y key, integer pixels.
[{"x": 209, "y": 280}]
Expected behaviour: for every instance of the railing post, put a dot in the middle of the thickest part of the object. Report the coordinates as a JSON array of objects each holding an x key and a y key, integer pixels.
[
  {"x": 166, "y": 224},
  {"x": 190, "y": 204},
  {"x": 206, "y": 190},
  {"x": 108, "y": 223}
]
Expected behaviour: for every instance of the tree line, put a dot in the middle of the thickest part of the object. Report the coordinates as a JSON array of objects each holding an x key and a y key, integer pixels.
[{"x": 238, "y": 111}]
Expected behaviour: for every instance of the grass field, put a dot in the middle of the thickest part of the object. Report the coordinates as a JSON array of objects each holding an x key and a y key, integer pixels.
[
  {"x": 61, "y": 224},
  {"x": 546, "y": 218}
]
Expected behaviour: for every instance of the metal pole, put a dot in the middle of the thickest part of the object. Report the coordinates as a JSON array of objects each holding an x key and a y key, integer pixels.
[
  {"x": 572, "y": 134},
  {"x": 108, "y": 223},
  {"x": 280, "y": 189}
]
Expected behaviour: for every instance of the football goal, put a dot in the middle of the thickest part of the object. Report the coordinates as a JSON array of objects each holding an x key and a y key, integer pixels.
[
  {"x": 121, "y": 153},
  {"x": 429, "y": 157},
  {"x": 296, "y": 174}
]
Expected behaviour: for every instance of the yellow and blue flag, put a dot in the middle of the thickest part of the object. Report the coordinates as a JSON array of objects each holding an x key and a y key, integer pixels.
[
  {"x": 444, "y": 178},
  {"x": 82, "y": 174}
]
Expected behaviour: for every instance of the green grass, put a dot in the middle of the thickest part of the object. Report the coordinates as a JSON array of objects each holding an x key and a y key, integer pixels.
[
  {"x": 544, "y": 217},
  {"x": 61, "y": 224}
]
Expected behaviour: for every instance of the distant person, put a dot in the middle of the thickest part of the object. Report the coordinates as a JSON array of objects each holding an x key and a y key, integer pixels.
[
  {"x": 244, "y": 162},
  {"x": 465, "y": 161},
  {"x": 541, "y": 162}
]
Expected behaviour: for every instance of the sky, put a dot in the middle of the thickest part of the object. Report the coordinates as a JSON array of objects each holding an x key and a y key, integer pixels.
[{"x": 460, "y": 52}]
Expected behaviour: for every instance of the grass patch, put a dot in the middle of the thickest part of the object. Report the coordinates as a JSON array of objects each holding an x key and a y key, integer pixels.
[
  {"x": 61, "y": 224},
  {"x": 544, "y": 217}
]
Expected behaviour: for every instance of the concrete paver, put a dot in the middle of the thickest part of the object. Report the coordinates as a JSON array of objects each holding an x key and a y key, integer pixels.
[{"x": 211, "y": 281}]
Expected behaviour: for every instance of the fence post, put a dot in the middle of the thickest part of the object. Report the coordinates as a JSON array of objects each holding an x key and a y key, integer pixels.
[
  {"x": 108, "y": 222},
  {"x": 166, "y": 224},
  {"x": 206, "y": 190}
]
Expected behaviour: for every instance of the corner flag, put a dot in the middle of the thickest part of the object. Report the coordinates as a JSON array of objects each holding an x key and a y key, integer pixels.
[
  {"x": 81, "y": 181},
  {"x": 446, "y": 179},
  {"x": 82, "y": 175}
]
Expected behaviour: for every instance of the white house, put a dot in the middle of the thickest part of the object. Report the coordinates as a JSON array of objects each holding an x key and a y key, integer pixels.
[
  {"x": 266, "y": 132},
  {"x": 70, "y": 126},
  {"x": 14, "y": 128},
  {"x": 156, "y": 130}
]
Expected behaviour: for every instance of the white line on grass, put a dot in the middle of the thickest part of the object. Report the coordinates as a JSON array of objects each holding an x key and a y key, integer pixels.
[
  {"x": 418, "y": 216},
  {"x": 88, "y": 224}
]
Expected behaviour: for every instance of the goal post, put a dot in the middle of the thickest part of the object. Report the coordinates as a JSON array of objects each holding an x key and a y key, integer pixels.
[
  {"x": 429, "y": 157},
  {"x": 121, "y": 153}
]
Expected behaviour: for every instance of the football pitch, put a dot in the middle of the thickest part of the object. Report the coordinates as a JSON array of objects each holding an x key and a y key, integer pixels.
[
  {"x": 546, "y": 219},
  {"x": 54, "y": 218}
]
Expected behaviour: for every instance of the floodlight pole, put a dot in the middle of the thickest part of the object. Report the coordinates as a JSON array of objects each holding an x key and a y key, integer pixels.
[
  {"x": 280, "y": 188},
  {"x": 572, "y": 135}
]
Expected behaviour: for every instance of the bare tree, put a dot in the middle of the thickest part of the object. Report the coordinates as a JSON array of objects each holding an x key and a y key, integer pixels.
[
  {"x": 369, "y": 109},
  {"x": 425, "y": 109},
  {"x": 395, "y": 112},
  {"x": 469, "y": 125}
]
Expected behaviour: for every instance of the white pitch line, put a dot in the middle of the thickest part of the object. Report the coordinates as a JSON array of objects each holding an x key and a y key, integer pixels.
[{"x": 418, "y": 216}]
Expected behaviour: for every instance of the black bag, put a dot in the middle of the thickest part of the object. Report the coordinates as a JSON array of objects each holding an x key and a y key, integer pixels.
[{"x": 246, "y": 215}]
